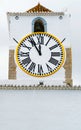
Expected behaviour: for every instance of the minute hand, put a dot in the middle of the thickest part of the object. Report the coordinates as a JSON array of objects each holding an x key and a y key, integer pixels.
[
  {"x": 38, "y": 50},
  {"x": 34, "y": 44}
]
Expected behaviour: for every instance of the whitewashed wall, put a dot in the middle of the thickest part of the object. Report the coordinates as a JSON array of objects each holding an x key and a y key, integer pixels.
[
  {"x": 23, "y": 26},
  {"x": 60, "y": 28},
  {"x": 40, "y": 110}
]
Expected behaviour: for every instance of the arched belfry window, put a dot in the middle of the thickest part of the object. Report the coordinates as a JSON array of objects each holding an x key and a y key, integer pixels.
[{"x": 39, "y": 25}]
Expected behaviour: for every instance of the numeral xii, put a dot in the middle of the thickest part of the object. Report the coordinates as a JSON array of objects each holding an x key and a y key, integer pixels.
[{"x": 40, "y": 39}]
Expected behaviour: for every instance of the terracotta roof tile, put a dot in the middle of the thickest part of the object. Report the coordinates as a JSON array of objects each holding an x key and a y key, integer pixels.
[{"x": 38, "y": 8}]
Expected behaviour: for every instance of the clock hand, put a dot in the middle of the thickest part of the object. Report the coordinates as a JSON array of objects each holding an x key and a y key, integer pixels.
[
  {"x": 40, "y": 49},
  {"x": 34, "y": 44}
]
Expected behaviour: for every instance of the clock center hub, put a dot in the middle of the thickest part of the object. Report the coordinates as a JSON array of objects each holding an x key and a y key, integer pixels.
[{"x": 40, "y": 59}]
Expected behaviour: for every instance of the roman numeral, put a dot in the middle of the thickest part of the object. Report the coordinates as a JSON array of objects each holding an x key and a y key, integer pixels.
[
  {"x": 26, "y": 61},
  {"x": 40, "y": 39},
  {"x": 53, "y": 61},
  {"x": 40, "y": 69},
  {"x": 48, "y": 41},
  {"x": 55, "y": 53},
  {"x": 31, "y": 40},
  {"x": 53, "y": 47},
  {"x": 23, "y": 54},
  {"x": 32, "y": 67},
  {"x": 49, "y": 68},
  {"x": 24, "y": 45}
]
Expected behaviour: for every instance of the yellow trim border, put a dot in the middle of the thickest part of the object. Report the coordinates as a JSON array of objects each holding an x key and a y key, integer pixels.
[{"x": 42, "y": 75}]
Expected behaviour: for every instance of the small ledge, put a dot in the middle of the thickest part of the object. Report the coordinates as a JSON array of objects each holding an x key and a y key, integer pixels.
[{"x": 38, "y": 87}]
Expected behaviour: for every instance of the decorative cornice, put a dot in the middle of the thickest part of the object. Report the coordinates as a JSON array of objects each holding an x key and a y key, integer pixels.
[
  {"x": 39, "y": 87},
  {"x": 38, "y": 10},
  {"x": 35, "y": 14}
]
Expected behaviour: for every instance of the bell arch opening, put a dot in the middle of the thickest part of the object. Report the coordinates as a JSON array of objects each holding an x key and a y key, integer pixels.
[{"x": 39, "y": 25}]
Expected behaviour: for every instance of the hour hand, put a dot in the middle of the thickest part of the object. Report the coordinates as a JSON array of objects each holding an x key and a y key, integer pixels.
[{"x": 40, "y": 49}]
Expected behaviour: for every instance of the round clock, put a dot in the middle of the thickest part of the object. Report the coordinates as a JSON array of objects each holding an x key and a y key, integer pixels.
[{"x": 40, "y": 54}]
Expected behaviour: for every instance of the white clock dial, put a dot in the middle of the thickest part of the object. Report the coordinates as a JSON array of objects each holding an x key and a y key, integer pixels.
[{"x": 40, "y": 54}]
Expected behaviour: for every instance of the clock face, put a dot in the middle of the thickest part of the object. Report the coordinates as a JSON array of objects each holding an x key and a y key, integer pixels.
[{"x": 40, "y": 54}]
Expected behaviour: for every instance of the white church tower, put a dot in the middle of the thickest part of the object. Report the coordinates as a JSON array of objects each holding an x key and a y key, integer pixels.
[{"x": 50, "y": 62}]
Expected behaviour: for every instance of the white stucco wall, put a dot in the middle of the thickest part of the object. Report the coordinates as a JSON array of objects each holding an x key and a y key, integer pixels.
[
  {"x": 23, "y": 26},
  {"x": 40, "y": 110}
]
